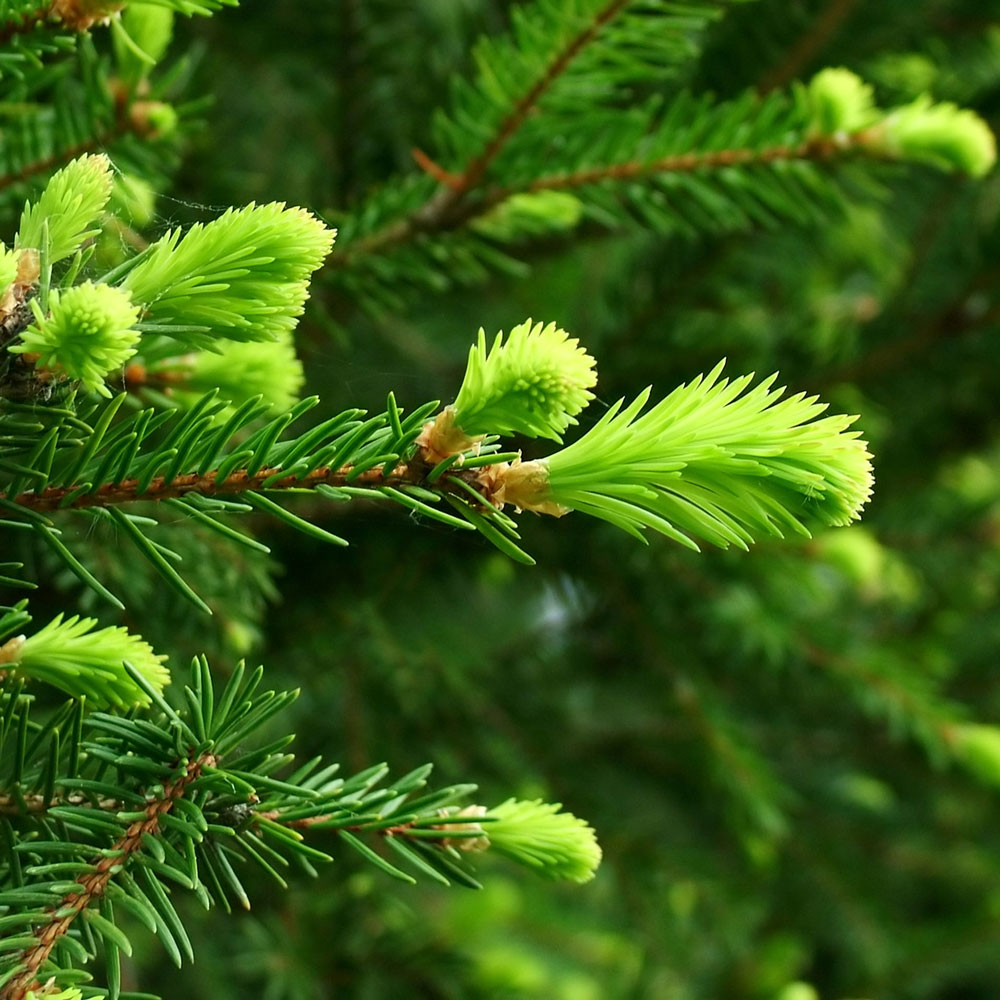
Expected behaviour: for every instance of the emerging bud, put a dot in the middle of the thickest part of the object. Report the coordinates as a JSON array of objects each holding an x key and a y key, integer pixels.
[
  {"x": 537, "y": 834},
  {"x": 63, "y": 214},
  {"x": 153, "y": 119},
  {"x": 442, "y": 437},
  {"x": 52, "y": 992},
  {"x": 839, "y": 103},
  {"x": 840, "y": 106},
  {"x": 470, "y": 836},
  {"x": 942, "y": 135},
  {"x": 87, "y": 334},
  {"x": 534, "y": 384},
  {"x": 524, "y": 485},
  {"x": 239, "y": 371},
  {"x": 530, "y": 213},
  {"x": 81, "y": 662},
  {"x": 243, "y": 276},
  {"x": 706, "y": 462}
]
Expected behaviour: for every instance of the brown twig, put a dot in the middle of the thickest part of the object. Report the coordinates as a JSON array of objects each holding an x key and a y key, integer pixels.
[
  {"x": 94, "y": 884},
  {"x": 274, "y": 815},
  {"x": 681, "y": 163},
  {"x": 240, "y": 481},
  {"x": 435, "y": 170},
  {"x": 476, "y": 169},
  {"x": 208, "y": 484},
  {"x": 405, "y": 229}
]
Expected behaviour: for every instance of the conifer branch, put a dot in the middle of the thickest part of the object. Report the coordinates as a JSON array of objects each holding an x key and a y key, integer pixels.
[
  {"x": 94, "y": 884},
  {"x": 441, "y": 212},
  {"x": 476, "y": 169},
  {"x": 404, "y": 230},
  {"x": 813, "y": 149},
  {"x": 429, "y": 222},
  {"x": 832, "y": 120},
  {"x": 236, "y": 482}
]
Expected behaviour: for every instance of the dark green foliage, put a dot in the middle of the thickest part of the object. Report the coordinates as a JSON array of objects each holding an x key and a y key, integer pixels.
[{"x": 180, "y": 799}]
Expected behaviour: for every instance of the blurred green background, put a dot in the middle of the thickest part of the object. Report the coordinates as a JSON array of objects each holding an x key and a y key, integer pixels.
[{"x": 765, "y": 741}]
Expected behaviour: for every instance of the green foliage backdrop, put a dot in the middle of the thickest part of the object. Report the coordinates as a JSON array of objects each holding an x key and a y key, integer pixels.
[{"x": 788, "y": 755}]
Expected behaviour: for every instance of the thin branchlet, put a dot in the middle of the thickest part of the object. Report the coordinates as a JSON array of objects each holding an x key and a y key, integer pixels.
[
  {"x": 93, "y": 885},
  {"x": 680, "y": 163},
  {"x": 305, "y": 822},
  {"x": 35, "y": 805},
  {"x": 476, "y": 169},
  {"x": 208, "y": 484},
  {"x": 445, "y": 209},
  {"x": 430, "y": 219},
  {"x": 240, "y": 481}
]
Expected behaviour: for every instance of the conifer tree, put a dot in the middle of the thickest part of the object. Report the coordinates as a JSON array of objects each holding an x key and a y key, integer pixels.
[{"x": 159, "y": 447}]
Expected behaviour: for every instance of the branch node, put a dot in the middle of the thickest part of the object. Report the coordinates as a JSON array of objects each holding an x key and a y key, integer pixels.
[{"x": 435, "y": 170}]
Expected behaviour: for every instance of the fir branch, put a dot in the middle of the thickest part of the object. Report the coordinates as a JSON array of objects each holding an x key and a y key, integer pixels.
[
  {"x": 93, "y": 885},
  {"x": 816, "y": 149},
  {"x": 443, "y": 210},
  {"x": 702, "y": 166},
  {"x": 239, "y": 481},
  {"x": 682, "y": 163},
  {"x": 476, "y": 169},
  {"x": 554, "y": 53},
  {"x": 536, "y": 834}
]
